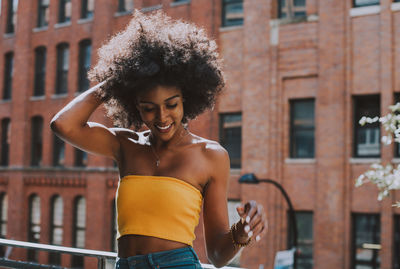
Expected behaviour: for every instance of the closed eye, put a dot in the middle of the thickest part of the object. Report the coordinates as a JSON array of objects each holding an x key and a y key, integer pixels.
[{"x": 172, "y": 106}]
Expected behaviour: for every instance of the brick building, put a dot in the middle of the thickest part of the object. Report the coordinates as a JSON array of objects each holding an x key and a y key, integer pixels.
[{"x": 300, "y": 73}]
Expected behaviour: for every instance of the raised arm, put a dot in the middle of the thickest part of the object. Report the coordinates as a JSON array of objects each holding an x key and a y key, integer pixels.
[
  {"x": 222, "y": 243},
  {"x": 71, "y": 124}
]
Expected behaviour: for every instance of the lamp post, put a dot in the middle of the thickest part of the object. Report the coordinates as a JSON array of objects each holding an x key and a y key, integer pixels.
[{"x": 252, "y": 179}]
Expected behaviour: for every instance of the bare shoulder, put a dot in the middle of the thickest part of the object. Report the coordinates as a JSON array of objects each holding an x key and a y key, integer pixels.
[{"x": 212, "y": 150}]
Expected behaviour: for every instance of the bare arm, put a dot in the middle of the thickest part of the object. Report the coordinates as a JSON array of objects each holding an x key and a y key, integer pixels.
[
  {"x": 219, "y": 244},
  {"x": 71, "y": 124}
]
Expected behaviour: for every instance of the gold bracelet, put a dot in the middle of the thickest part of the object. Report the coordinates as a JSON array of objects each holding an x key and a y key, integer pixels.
[{"x": 235, "y": 243}]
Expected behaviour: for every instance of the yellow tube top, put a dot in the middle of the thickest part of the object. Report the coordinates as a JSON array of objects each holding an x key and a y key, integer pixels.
[{"x": 158, "y": 206}]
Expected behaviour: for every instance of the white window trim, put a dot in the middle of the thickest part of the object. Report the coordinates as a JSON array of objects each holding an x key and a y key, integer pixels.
[
  {"x": 300, "y": 161},
  {"x": 395, "y": 6},
  {"x": 364, "y": 160},
  {"x": 363, "y": 11}
]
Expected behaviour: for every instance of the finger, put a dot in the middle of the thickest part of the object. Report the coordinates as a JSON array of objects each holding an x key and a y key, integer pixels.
[
  {"x": 258, "y": 216},
  {"x": 252, "y": 210}
]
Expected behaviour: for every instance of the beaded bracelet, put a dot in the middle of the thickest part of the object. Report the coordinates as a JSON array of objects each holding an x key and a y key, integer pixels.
[{"x": 235, "y": 243}]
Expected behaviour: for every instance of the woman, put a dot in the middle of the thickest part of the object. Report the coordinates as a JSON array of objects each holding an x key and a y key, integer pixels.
[{"x": 161, "y": 73}]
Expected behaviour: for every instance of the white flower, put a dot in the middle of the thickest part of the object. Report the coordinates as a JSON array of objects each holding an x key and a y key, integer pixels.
[{"x": 387, "y": 140}]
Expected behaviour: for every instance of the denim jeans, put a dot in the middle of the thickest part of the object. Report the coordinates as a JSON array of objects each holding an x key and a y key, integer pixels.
[{"x": 181, "y": 258}]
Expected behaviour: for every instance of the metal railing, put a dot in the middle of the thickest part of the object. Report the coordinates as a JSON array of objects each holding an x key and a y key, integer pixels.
[{"x": 105, "y": 259}]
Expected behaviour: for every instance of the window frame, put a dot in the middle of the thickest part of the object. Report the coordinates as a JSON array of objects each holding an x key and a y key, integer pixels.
[
  {"x": 11, "y": 20},
  {"x": 396, "y": 239},
  {"x": 292, "y": 150},
  {"x": 3, "y": 214},
  {"x": 36, "y": 141},
  {"x": 85, "y": 48},
  {"x": 5, "y": 141},
  {"x": 78, "y": 261},
  {"x": 33, "y": 255},
  {"x": 58, "y": 148},
  {"x": 291, "y": 10},
  {"x": 224, "y": 21},
  {"x": 375, "y": 264},
  {"x": 62, "y": 68},
  {"x": 39, "y": 85},
  {"x": 8, "y": 75},
  {"x": 55, "y": 258},
  {"x": 62, "y": 11},
  {"x": 357, "y": 127},
  {"x": 355, "y": 5},
  {"x": 42, "y": 9},
  {"x": 86, "y": 13},
  {"x": 222, "y": 137},
  {"x": 122, "y": 8}
]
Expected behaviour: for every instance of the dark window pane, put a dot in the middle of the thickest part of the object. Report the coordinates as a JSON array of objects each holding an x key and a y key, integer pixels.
[
  {"x": 64, "y": 11},
  {"x": 231, "y": 137},
  {"x": 113, "y": 227},
  {"x": 43, "y": 13},
  {"x": 80, "y": 158},
  {"x": 3, "y": 214},
  {"x": 40, "y": 71},
  {"x": 56, "y": 227},
  {"x": 11, "y": 16},
  {"x": 302, "y": 129},
  {"x": 8, "y": 75},
  {"x": 36, "y": 145},
  {"x": 232, "y": 12},
  {"x": 366, "y": 241},
  {"x": 34, "y": 225},
  {"x": 125, "y": 5},
  {"x": 299, "y": 3},
  {"x": 5, "y": 141},
  {"x": 85, "y": 51},
  {"x": 62, "y": 69},
  {"x": 58, "y": 151},
  {"x": 305, "y": 241},
  {"x": 87, "y": 9},
  {"x": 396, "y": 243},
  {"x": 292, "y": 9},
  {"x": 360, "y": 3},
  {"x": 367, "y": 137}
]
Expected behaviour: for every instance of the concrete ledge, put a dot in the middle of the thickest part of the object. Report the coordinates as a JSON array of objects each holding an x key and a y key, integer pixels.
[
  {"x": 37, "y": 98},
  {"x": 230, "y": 28},
  {"x": 300, "y": 161},
  {"x": 59, "y": 96},
  {"x": 151, "y": 8},
  {"x": 119, "y": 14},
  {"x": 395, "y": 6},
  {"x": 62, "y": 24},
  {"x": 86, "y": 20},
  {"x": 363, "y": 11},
  {"x": 40, "y": 29},
  {"x": 364, "y": 160}
]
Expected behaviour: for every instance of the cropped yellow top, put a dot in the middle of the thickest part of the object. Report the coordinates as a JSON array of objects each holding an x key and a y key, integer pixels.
[{"x": 158, "y": 206}]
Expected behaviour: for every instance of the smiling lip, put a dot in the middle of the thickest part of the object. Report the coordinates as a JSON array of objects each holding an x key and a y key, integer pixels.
[{"x": 164, "y": 129}]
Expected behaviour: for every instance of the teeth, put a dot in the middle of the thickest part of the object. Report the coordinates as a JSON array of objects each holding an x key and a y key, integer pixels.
[{"x": 164, "y": 128}]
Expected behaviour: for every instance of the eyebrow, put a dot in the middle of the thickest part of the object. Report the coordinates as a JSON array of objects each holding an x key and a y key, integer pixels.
[{"x": 166, "y": 100}]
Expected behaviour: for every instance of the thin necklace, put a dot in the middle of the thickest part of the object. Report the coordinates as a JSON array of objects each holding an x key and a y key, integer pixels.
[{"x": 157, "y": 157}]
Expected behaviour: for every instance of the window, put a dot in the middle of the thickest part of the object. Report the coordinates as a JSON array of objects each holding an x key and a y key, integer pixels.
[
  {"x": 62, "y": 68},
  {"x": 8, "y": 74},
  {"x": 125, "y": 5},
  {"x": 85, "y": 52},
  {"x": 396, "y": 243},
  {"x": 305, "y": 241},
  {"x": 87, "y": 9},
  {"x": 363, "y": 3},
  {"x": 80, "y": 158},
  {"x": 5, "y": 141},
  {"x": 58, "y": 151},
  {"x": 40, "y": 71},
  {"x": 367, "y": 137},
  {"x": 114, "y": 227},
  {"x": 64, "y": 11},
  {"x": 36, "y": 145},
  {"x": 232, "y": 12},
  {"x": 302, "y": 128},
  {"x": 79, "y": 229},
  {"x": 231, "y": 137},
  {"x": 366, "y": 241},
  {"x": 56, "y": 228},
  {"x": 11, "y": 16},
  {"x": 3, "y": 215},
  {"x": 233, "y": 218},
  {"x": 292, "y": 9},
  {"x": 43, "y": 13},
  {"x": 34, "y": 225}
]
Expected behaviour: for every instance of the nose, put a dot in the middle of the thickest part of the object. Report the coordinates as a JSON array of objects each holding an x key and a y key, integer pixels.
[{"x": 162, "y": 114}]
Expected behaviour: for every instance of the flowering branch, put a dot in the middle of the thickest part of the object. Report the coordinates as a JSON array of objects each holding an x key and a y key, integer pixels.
[{"x": 386, "y": 178}]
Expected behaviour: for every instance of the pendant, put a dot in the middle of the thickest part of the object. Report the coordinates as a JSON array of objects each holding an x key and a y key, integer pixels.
[{"x": 158, "y": 163}]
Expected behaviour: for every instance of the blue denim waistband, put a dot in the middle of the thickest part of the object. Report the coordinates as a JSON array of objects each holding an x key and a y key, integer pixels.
[{"x": 170, "y": 258}]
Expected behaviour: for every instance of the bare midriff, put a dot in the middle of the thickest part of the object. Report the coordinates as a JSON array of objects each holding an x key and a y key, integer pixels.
[{"x": 132, "y": 245}]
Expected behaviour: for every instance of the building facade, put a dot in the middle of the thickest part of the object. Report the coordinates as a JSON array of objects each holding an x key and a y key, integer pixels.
[{"x": 300, "y": 74}]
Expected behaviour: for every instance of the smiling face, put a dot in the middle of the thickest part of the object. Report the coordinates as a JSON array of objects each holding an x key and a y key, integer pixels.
[{"x": 161, "y": 109}]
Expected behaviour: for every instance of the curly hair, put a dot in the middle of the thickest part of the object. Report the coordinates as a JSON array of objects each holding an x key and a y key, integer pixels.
[{"x": 156, "y": 50}]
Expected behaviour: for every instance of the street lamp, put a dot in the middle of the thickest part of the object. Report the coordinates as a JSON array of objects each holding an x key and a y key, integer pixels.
[{"x": 252, "y": 179}]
